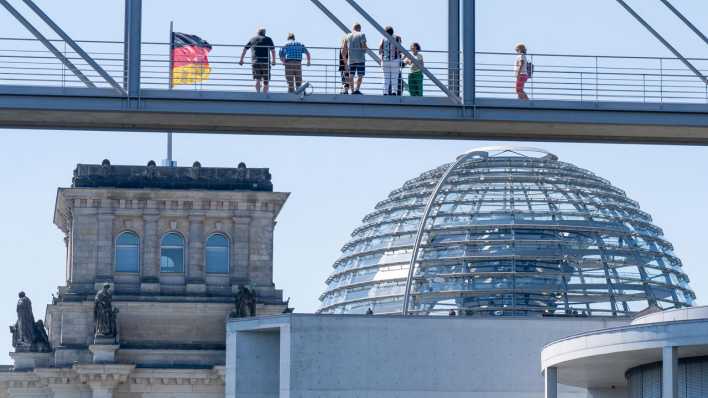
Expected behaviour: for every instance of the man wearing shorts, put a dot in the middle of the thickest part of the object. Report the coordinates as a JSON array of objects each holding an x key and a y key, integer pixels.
[
  {"x": 262, "y": 51},
  {"x": 355, "y": 52}
]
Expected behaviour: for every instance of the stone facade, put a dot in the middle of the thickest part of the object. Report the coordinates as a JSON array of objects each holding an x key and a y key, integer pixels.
[{"x": 171, "y": 325}]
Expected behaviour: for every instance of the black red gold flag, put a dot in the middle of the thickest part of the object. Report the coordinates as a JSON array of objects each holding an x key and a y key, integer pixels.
[{"x": 190, "y": 59}]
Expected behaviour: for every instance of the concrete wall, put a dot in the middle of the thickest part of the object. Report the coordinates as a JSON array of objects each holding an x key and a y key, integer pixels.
[{"x": 389, "y": 356}]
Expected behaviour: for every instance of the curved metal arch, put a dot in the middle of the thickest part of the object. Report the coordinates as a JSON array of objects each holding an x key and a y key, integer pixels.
[{"x": 424, "y": 218}]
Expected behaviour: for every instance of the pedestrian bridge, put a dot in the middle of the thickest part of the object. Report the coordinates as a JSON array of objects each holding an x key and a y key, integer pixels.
[{"x": 116, "y": 85}]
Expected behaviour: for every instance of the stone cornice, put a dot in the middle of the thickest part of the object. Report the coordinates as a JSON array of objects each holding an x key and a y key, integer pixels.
[{"x": 107, "y": 375}]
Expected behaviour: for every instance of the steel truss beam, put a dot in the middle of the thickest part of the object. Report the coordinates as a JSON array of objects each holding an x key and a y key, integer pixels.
[
  {"x": 453, "y": 45},
  {"x": 663, "y": 41},
  {"x": 47, "y": 44},
  {"x": 685, "y": 20},
  {"x": 405, "y": 52},
  {"x": 351, "y": 116},
  {"x": 342, "y": 26},
  {"x": 132, "y": 51},
  {"x": 74, "y": 46},
  {"x": 421, "y": 227}
]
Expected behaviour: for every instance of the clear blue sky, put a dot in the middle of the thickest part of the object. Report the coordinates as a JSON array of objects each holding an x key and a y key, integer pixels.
[{"x": 335, "y": 182}]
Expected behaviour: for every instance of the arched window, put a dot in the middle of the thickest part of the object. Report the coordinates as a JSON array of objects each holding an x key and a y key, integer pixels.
[
  {"x": 172, "y": 253},
  {"x": 127, "y": 252},
  {"x": 217, "y": 254}
]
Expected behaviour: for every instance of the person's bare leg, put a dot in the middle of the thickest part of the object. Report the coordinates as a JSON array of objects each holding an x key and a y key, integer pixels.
[
  {"x": 359, "y": 80},
  {"x": 258, "y": 85},
  {"x": 265, "y": 87}
]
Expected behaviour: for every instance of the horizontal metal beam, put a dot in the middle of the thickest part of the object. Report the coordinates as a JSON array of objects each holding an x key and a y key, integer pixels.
[{"x": 352, "y": 116}]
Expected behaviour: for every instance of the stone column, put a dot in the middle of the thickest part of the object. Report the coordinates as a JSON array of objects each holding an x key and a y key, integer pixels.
[
  {"x": 150, "y": 267},
  {"x": 240, "y": 247},
  {"x": 104, "y": 243},
  {"x": 260, "y": 270},
  {"x": 195, "y": 275},
  {"x": 551, "y": 378},
  {"x": 84, "y": 242},
  {"x": 669, "y": 372}
]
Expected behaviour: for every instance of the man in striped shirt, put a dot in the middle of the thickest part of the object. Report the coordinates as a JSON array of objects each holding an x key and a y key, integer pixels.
[{"x": 291, "y": 56}]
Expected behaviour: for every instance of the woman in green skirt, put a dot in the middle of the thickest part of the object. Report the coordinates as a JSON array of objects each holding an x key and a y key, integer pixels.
[{"x": 415, "y": 77}]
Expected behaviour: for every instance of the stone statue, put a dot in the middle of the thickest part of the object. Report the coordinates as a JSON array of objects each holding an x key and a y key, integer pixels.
[
  {"x": 25, "y": 322},
  {"x": 104, "y": 313},
  {"x": 245, "y": 301},
  {"x": 28, "y": 335},
  {"x": 288, "y": 309}
]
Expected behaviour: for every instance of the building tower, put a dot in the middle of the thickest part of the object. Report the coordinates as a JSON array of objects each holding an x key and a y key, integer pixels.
[{"x": 155, "y": 256}]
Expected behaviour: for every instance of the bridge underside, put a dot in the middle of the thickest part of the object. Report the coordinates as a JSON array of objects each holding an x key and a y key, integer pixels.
[{"x": 354, "y": 116}]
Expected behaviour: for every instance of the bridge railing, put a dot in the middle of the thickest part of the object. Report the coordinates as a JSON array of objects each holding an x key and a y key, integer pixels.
[{"x": 556, "y": 76}]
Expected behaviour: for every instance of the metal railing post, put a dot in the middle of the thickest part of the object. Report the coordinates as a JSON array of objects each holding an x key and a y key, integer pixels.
[
  {"x": 661, "y": 80},
  {"x": 597, "y": 87}
]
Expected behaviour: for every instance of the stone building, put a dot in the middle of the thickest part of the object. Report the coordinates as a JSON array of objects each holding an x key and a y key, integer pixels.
[{"x": 166, "y": 249}]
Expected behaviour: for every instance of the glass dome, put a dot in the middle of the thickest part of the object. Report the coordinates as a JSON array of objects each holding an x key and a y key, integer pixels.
[{"x": 508, "y": 232}]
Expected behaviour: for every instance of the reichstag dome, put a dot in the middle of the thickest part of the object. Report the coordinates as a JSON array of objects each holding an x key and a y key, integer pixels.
[{"x": 509, "y": 232}]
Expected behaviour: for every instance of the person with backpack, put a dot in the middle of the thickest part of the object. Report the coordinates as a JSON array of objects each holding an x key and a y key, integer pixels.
[{"x": 523, "y": 70}]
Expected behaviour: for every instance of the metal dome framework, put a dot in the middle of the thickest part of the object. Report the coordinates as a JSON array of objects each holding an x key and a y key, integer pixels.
[{"x": 507, "y": 231}]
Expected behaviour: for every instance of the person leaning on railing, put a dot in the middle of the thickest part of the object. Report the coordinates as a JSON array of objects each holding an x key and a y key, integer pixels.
[
  {"x": 415, "y": 77},
  {"x": 262, "y": 48},
  {"x": 291, "y": 56}
]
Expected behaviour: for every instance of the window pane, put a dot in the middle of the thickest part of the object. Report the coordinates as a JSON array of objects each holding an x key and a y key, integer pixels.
[
  {"x": 127, "y": 253},
  {"x": 127, "y": 238},
  {"x": 127, "y": 259},
  {"x": 172, "y": 260},
  {"x": 217, "y": 240},
  {"x": 172, "y": 239},
  {"x": 217, "y": 259}
]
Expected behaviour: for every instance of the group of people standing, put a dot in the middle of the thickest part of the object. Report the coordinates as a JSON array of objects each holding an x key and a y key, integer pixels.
[{"x": 352, "y": 62}]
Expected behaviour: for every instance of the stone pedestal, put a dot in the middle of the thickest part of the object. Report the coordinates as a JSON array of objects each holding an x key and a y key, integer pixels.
[
  {"x": 104, "y": 353},
  {"x": 31, "y": 360}
]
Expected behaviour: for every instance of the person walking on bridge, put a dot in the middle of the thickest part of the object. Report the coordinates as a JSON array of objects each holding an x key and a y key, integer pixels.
[
  {"x": 262, "y": 49},
  {"x": 391, "y": 62},
  {"x": 355, "y": 52},
  {"x": 521, "y": 67},
  {"x": 291, "y": 56}
]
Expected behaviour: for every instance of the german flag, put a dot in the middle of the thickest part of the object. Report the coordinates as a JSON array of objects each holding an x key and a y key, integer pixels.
[{"x": 190, "y": 59}]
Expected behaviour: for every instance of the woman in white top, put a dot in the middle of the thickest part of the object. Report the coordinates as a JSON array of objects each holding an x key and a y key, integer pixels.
[{"x": 520, "y": 68}]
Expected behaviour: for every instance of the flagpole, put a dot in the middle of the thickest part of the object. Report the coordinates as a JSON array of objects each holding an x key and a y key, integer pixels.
[{"x": 169, "y": 162}]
